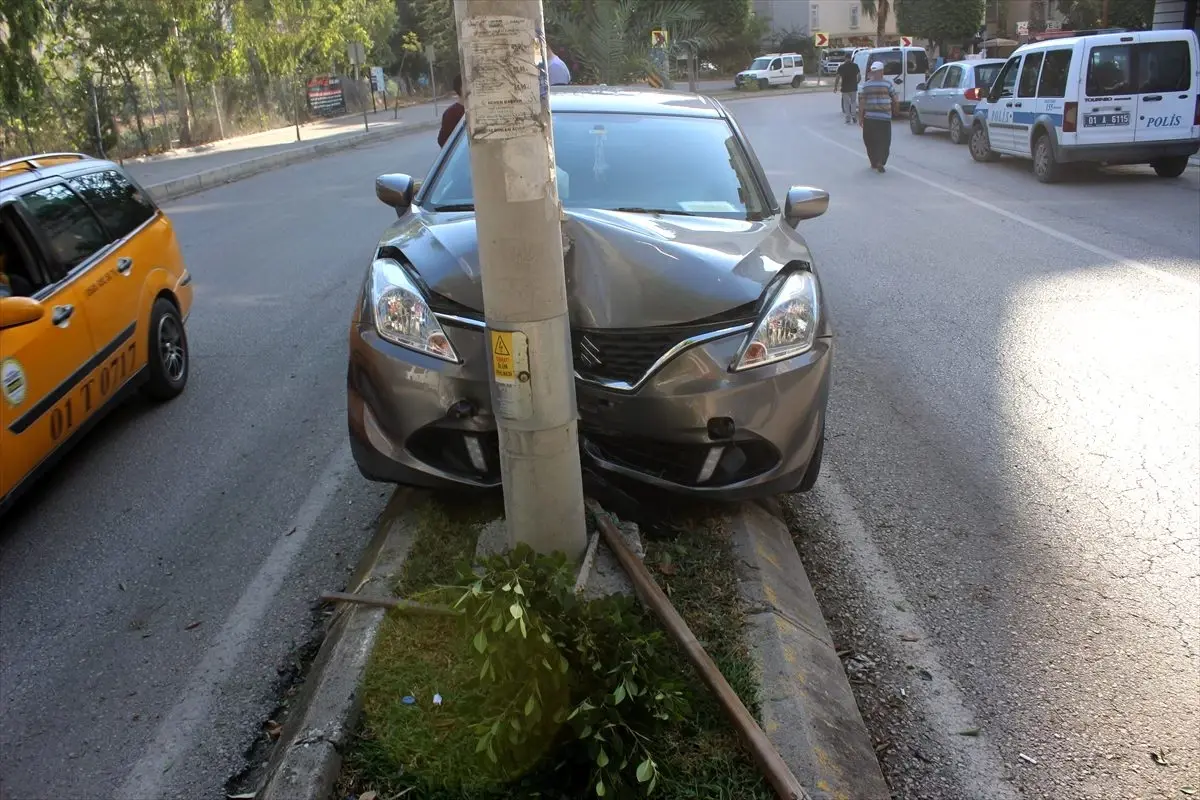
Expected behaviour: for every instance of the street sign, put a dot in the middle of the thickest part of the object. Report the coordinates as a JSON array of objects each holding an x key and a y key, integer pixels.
[
  {"x": 820, "y": 39},
  {"x": 660, "y": 39},
  {"x": 356, "y": 52},
  {"x": 1023, "y": 28},
  {"x": 906, "y": 41},
  {"x": 378, "y": 81},
  {"x": 429, "y": 53}
]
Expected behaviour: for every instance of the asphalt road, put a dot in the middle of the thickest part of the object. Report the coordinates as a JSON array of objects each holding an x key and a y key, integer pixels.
[
  {"x": 233, "y": 507},
  {"x": 1008, "y": 533}
]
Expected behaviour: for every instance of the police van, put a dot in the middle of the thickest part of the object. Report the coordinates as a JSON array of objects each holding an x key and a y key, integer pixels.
[
  {"x": 906, "y": 67},
  {"x": 1112, "y": 98}
]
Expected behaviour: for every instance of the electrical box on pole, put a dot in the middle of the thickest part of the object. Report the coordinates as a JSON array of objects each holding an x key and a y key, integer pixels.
[{"x": 519, "y": 226}]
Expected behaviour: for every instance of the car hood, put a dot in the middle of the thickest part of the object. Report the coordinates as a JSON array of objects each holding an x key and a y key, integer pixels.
[{"x": 622, "y": 270}]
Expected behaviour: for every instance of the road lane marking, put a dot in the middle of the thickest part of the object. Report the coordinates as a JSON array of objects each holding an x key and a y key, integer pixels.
[
  {"x": 980, "y": 771},
  {"x": 1096, "y": 250},
  {"x": 176, "y": 735}
]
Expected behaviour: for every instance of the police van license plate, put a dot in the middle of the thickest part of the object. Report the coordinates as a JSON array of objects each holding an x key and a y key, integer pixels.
[{"x": 1105, "y": 120}]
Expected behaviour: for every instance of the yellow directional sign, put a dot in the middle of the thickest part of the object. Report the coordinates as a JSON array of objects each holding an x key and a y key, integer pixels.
[
  {"x": 820, "y": 39},
  {"x": 660, "y": 39}
]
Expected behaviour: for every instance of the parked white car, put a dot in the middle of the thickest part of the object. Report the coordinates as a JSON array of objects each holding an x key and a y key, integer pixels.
[
  {"x": 1112, "y": 98},
  {"x": 906, "y": 67},
  {"x": 773, "y": 69}
]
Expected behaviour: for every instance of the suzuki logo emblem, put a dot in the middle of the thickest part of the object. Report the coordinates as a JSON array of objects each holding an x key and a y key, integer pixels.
[{"x": 589, "y": 354}]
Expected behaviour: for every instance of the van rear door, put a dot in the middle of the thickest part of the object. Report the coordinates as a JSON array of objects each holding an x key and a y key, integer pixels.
[
  {"x": 1108, "y": 107},
  {"x": 1165, "y": 70}
]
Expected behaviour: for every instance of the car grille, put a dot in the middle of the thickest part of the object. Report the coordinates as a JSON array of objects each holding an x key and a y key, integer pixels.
[{"x": 681, "y": 463}]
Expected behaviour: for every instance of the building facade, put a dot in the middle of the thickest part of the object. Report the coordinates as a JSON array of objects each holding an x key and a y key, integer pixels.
[
  {"x": 1176, "y": 14},
  {"x": 843, "y": 20}
]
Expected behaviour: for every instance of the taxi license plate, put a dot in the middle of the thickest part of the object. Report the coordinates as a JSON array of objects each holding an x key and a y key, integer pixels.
[{"x": 1105, "y": 120}]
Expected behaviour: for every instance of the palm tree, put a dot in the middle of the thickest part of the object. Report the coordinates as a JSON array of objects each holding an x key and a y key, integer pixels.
[
  {"x": 879, "y": 9},
  {"x": 611, "y": 38}
]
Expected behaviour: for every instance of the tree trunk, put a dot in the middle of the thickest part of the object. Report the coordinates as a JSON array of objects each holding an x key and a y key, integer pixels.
[
  {"x": 131, "y": 93},
  {"x": 181, "y": 100}
]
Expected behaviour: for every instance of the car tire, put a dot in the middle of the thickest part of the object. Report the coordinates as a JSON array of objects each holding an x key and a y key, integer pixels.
[
  {"x": 956, "y": 130},
  {"x": 814, "y": 466},
  {"x": 167, "y": 359},
  {"x": 796, "y": 81},
  {"x": 1045, "y": 166},
  {"x": 981, "y": 148},
  {"x": 1170, "y": 167},
  {"x": 763, "y": 83},
  {"x": 914, "y": 122}
]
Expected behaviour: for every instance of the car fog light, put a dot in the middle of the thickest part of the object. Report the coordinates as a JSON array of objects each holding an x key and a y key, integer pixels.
[
  {"x": 710, "y": 464},
  {"x": 476, "y": 453}
]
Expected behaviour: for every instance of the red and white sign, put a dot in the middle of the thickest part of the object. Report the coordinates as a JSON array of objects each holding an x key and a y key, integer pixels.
[
  {"x": 906, "y": 41},
  {"x": 820, "y": 39}
]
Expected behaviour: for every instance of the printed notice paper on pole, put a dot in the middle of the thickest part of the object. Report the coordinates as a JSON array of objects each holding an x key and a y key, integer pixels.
[
  {"x": 503, "y": 99},
  {"x": 510, "y": 371}
]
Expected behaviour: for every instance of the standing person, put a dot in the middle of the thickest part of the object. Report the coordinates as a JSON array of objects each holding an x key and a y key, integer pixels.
[
  {"x": 847, "y": 81},
  {"x": 453, "y": 114},
  {"x": 876, "y": 107},
  {"x": 560, "y": 74}
]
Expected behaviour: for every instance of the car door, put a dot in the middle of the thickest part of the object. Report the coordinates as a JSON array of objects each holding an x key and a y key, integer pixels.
[
  {"x": 1025, "y": 104},
  {"x": 45, "y": 364},
  {"x": 951, "y": 92},
  {"x": 916, "y": 67},
  {"x": 775, "y": 71},
  {"x": 113, "y": 293},
  {"x": 1000, "y": 107},
  {"x": 1108, "y": 106},
  {"x": 1165, "y": 70},
  {"x": 927, "y": 101}
]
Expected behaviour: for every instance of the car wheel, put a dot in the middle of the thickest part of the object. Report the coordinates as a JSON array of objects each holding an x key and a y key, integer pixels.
[
  {"x": 956, "y": 129},
  {"x": 814, "y": 466},
  {"x": 167, "y": 356},
  {"x": 1170, "y": 167},
  {"x": 763, "y": 83},
  {"x": 981, "y": 148},
  {"x": 914, "y": 122},
  {"x": 1045, "y": 165},
  {"x": 796, "y": 81}
]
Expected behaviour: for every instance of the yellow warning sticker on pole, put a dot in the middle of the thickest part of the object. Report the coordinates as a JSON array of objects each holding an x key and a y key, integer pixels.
[
  {"x": 512, "y": 378},
  {"x": 502, "y": 358}
]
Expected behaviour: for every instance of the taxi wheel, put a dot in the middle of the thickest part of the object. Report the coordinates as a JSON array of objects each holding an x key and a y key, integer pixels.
[{"x": 167, "y": 359}]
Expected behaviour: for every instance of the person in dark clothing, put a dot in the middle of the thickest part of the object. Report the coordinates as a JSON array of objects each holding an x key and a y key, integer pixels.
[
  {"x": 452, "y": 115},
  {"x": 847, "y": 82}
]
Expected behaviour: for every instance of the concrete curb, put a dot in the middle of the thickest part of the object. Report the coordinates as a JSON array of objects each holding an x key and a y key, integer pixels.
[
  {"x": 308, "y": 757},
  {"x": 739, "y": 94},
  {"x": 206, "y": 179},
  {"x": 808, "y": 710}
]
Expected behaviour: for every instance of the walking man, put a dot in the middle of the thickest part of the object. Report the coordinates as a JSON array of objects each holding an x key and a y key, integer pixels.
[
  {"x": 876, "y": 107},
  {"x": 847, "y": 82}
]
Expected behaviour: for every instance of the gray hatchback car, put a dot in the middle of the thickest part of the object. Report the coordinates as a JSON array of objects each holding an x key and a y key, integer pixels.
[
  {"x": 701, "y": 340},
  {"x": 948, "y": 98}
]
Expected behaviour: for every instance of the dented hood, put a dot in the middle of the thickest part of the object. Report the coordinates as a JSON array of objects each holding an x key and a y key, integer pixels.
[{"x": 623, "y": 270}]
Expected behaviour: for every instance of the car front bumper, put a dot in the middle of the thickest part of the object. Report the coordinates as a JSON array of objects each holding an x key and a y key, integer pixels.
[{"x": 412, "y": 418}]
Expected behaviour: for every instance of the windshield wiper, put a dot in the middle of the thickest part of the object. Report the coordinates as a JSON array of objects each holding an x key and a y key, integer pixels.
[
  {"x": 636, "y": 210},
  {"x": 455, "y": 207}
]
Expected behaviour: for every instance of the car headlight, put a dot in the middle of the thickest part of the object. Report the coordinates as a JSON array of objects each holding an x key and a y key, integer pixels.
[
  {"x": 402, "y": 315},
  {"x": 788, "y": 326}
]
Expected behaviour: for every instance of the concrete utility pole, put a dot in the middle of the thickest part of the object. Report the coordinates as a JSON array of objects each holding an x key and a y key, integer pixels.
[{"x": 518, "y": 219}]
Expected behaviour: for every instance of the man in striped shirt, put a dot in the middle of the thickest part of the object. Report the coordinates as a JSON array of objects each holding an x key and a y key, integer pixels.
[{"x": 876, "y": 107}]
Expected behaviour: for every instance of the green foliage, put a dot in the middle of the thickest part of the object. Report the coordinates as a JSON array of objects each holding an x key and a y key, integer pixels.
[
  {"x": 23, "y": 22},
  {"x": 879, "y": 10},
  {"x": 939, "y": 20},
  {"x": 595, "y": 676},
  {"x": 1082, "y": 14}
]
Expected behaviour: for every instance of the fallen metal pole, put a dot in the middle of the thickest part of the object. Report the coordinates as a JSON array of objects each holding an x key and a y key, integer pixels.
[
  {"x": 407, "y": 606},
  {"x": 769, "y": 761}
]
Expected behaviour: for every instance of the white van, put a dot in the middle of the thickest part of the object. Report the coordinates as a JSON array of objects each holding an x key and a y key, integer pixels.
[
  {"x": 773, "y": 69},
  {"x": 1112, "y": 98},
  {"x": 906, "y": 67}
]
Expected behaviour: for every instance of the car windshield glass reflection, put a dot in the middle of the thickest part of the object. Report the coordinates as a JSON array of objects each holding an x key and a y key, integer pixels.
[{"x": 611, "y": 162}]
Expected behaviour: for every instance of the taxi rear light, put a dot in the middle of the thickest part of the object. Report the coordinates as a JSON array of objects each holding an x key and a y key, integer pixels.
[
  {"x": 973, "y": 94},
  {"x": 1070, "y": 117}
]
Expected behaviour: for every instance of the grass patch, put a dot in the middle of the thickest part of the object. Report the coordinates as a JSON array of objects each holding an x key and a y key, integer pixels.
[{"x": 430, "y": 750}]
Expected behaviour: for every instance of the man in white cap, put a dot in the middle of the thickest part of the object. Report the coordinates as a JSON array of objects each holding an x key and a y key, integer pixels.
[{"x": 876, "y": 107}]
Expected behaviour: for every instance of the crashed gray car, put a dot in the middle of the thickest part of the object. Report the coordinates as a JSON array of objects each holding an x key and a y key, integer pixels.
[{"x": 701, "y": 339}]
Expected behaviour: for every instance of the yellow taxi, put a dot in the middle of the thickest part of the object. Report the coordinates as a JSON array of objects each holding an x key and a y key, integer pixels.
[{"x": 94, "y": 295}]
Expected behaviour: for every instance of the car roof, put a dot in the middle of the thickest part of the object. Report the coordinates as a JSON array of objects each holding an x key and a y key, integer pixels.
[
  {"x": 977, "y": 62},
  {"x": 17, "y": 173},
  {"x": 1112, "y": 37},
  {"x": 632, "y": 100}
]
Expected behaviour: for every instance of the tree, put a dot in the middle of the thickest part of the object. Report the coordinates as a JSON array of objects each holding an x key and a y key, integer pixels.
[
  {"x": 880, "y": 10},
  {"x": 1084, "y": 14},
  {"x": 22, "y": 23},
  {"x": 939, "y": 20}
]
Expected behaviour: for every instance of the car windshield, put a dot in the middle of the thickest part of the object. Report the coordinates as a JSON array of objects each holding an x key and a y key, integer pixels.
[
  {"x": 760, "y": 63},
  {"x": 985, "y": 75},
  {"x": 630, "y": 162}
]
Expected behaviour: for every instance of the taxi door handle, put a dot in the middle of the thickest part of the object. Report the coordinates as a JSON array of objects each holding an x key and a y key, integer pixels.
[
  {"x": 1152, "y": 97},
  {"x": 61, "y": 314},
  {"x": 1018, "y": 105},
  {"x": 124, "y": 265}
]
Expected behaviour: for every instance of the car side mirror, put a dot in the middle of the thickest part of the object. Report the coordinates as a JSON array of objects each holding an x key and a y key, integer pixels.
[
  {"x": 18, "y": 311},
  {"x": 396, "y": 190},
  {"x": 804, "y": 202},
  {"x": 922, "y": 87}
]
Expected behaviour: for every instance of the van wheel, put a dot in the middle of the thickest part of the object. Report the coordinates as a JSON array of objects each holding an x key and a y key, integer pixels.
[
  {"x": 914, "y": 122},
  {"x": 956, "y": 130},
  {"x": 763, "y": 83},
  {"x": 796, "y": 81},
  {"x": 1045, "y": 165},
  {"x": 1170, "y": 167},
  {"x": 167, "y": 356},
  {"x": 981, "y": 148}
]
